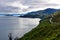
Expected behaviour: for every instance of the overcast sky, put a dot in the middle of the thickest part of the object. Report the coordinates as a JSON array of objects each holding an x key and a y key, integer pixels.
[{"x": 20, "y": 6}]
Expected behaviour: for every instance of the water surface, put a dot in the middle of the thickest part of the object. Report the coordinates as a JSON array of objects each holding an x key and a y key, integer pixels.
[{"x": 17, "y": 26}]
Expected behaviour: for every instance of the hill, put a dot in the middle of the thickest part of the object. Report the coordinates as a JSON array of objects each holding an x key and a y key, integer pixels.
[
  {"x": 45, "y": 30},
  {"x": 41, "y": 13}
]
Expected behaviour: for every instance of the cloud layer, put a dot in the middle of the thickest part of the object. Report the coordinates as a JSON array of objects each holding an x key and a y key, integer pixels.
[{"x": 20, "y": 6}]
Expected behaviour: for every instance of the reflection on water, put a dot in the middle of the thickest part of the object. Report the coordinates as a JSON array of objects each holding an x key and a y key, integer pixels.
[{"x": 17, "y": 26}]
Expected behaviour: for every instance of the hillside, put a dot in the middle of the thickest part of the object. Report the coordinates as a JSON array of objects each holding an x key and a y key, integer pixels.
[
  {"x": 40, "y": 13},
  {"x": 45, "y": 30}
]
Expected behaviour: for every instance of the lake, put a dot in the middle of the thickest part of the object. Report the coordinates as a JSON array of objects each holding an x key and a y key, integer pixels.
[{"x": 16, "y": 25}]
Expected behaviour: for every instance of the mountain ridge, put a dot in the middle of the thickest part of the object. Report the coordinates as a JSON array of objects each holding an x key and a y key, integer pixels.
[{"x": 40, "y": 13}]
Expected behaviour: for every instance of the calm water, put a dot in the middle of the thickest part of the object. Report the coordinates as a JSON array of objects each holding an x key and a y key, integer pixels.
[{"x": 17, "y": 26}]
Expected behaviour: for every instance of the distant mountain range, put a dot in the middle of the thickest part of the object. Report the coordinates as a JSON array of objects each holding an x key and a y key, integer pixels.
[
  {"x": 40, "y": 13},
  {"x": 12, "y": 15}
]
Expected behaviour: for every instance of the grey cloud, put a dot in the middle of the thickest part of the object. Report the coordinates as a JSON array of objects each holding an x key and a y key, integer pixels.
[
  {"x": 31, "y": 2},
  {"x": 37, "y": 3},
  {"x": 4, "y": 8},
  {"x": 8, "y": 0},
  {"x": 8, "y": 9}
]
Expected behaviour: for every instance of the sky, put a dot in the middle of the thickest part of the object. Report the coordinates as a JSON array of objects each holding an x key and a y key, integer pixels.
[{"x": 23, "y": 6}]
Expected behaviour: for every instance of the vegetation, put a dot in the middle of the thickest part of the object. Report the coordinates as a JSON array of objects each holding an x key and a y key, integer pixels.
[{"x": 45, "y": 30}]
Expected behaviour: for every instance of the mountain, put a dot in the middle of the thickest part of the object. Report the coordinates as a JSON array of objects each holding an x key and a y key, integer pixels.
[
  {"x": 12, "y": 15},
  {"x": 40, "y": 13},
  {"x": 45, "y": 30}
]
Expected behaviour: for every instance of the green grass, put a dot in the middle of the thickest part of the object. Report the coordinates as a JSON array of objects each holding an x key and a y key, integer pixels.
[{"x": 44, "y": 31}]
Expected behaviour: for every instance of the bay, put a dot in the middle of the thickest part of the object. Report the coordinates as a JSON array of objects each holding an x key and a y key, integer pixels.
[{"x": 16, "y": 25}]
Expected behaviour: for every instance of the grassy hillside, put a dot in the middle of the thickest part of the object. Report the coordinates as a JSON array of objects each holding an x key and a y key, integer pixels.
[{"x": 45, "y": 30}]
